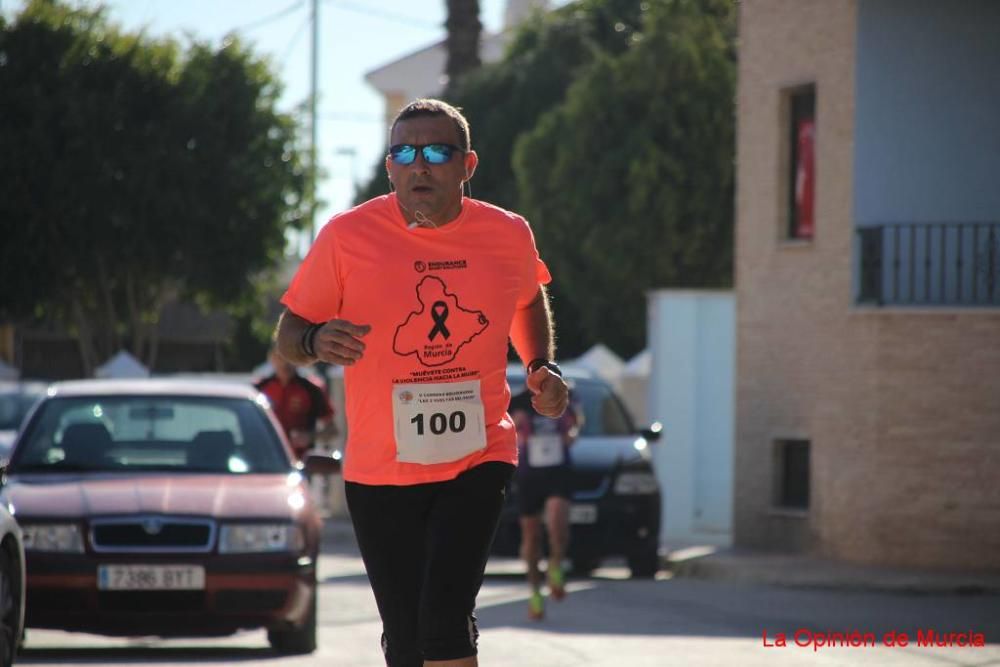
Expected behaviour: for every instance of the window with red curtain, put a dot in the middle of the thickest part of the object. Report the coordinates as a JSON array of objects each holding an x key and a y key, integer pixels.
[{"x": 802, "y": 176}]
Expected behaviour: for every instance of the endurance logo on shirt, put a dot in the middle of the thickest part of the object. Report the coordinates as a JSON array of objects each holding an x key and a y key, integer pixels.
[{"x": 439, "y": 328}]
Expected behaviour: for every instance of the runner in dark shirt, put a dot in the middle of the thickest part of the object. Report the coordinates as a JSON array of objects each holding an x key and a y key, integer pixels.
[{"x": 543, "y": 483}]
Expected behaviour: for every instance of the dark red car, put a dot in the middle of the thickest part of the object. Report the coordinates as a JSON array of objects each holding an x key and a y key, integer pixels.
[{"x": 167, "y": 508}]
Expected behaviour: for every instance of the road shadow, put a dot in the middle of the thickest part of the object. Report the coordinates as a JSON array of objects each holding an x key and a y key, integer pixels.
[
  {"x": 613, "y": 604},
  {"x": 144, "y": 654},
  {"x": 682, "y": 607}
]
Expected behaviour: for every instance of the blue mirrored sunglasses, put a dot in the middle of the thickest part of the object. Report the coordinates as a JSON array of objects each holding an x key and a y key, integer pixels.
[{"x": 405, "y": 154}]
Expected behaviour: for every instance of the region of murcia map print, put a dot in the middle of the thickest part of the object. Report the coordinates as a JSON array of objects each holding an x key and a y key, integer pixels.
[{"x": 440, "y": 326}]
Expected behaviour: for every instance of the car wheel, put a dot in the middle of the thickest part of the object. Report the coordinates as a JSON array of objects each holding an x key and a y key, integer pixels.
[
  {"x": 9, "y": 596},
  {"x": 300, "y": 640},
  {"x": 644, "y": 563}
]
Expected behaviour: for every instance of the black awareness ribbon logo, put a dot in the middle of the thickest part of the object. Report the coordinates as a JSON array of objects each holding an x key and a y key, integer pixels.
[{"x": 439, "y": 313}]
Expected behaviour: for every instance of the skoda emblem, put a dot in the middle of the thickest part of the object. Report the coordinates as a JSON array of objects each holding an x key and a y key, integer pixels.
[{"x": 152, "y": 526}]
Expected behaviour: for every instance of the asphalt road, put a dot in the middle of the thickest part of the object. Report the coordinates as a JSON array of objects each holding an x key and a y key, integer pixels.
[{"x": 605, "y": 620}]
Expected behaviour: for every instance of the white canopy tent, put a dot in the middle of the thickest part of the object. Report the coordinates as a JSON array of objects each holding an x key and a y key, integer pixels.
[
  {"x": 122, "y": 365},
  {"x": 633, "y": 385},
  {"x": 602, "y": 362}
]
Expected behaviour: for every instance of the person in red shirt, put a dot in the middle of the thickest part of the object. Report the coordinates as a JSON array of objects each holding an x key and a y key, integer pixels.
[
  {"x": 418, "y": 295},
  {"x": 300, "y": 405}
]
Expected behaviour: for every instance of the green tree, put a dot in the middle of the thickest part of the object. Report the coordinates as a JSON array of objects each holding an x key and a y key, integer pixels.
[
  {"x": 133, "y": 173},
  {"x": 629, "y": 182},
  {"x": 505, "y": 100}
]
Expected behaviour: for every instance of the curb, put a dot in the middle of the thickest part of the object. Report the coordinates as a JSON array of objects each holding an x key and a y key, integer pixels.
[{"x": 800, "y": 571}]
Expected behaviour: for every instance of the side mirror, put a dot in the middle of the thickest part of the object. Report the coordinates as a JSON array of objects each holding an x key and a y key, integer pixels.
[
  {"x": 653, "y": 433},
  {"x": 321, "y": 464}
]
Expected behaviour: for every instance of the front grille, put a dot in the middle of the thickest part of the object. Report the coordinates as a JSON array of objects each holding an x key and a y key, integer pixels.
[
  {"x": 589, "y": 483},
  {"x": 152, "y": 534},
  {"x": 157, "y": 602}
]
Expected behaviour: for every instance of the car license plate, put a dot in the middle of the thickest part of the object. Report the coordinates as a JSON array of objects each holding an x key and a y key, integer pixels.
[
  {"x": 583, "y": 513},
  {"x": 150, "y": 577}
]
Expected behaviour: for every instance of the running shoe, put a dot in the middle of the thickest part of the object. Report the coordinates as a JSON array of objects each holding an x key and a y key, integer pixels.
[
  {"x": 557, "y": 582},
  {"x": 536, "y": 606}
]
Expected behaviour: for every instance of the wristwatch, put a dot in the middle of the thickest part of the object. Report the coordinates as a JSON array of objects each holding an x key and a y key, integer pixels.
[{"x": 535, "y": 364}]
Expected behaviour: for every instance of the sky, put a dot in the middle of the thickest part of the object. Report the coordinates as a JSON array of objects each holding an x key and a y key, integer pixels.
[{"x": 355, "y": 37}]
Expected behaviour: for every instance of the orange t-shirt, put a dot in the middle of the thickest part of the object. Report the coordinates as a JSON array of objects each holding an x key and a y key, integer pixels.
[{"x": 428, "y": 399}]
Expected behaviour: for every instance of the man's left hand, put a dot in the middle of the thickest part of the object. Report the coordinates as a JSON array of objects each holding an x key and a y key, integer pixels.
[{"x": 550, "y": 394}]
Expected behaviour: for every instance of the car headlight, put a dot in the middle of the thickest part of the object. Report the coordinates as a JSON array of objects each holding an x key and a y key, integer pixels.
[
  {"x": 61, "y": 537},
  {"x": 636, "y": 483},
  {"x": 242, "y": 538}
]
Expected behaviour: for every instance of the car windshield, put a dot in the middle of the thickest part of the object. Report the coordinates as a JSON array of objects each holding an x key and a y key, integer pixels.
[
  {"x": 603, "y": 411},
  {"x": 150, "y": 433}
]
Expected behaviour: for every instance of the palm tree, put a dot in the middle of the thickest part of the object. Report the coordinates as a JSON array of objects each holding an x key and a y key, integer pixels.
[{"x": 464, "y": 29}]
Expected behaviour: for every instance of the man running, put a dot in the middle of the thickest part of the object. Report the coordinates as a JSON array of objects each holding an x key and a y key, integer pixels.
[{"x": 416, "y": 293}]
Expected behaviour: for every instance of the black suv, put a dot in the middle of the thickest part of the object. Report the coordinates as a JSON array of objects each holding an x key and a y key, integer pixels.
[{"x": 615, "y": 507}]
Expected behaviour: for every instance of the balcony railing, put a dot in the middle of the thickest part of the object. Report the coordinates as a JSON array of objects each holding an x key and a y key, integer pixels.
[{"x": 929, "y": 264}]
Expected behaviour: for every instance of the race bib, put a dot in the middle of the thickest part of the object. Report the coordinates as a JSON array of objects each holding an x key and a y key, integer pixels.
[
  {"x": 545, "y": 450},
  {"x": 439, "y": 422}
]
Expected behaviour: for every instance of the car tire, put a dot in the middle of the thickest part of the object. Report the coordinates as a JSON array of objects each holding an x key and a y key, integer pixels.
[
  {"x": 297, "y": 640},
  {"x": 9, "y": 608},
  {"x": 644, "y": 563}
]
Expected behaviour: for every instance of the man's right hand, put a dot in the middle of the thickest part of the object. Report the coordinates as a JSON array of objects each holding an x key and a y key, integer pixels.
[
  {"x": 339, "y": 342},
  {"x": 550, "y": 393}
]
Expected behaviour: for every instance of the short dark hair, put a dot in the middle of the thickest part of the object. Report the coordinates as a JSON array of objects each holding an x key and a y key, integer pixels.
[{"x": 431, "y": 107}]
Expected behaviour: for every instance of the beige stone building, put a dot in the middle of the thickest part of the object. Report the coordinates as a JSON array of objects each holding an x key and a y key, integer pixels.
[{"x": 868, "y": 281}]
